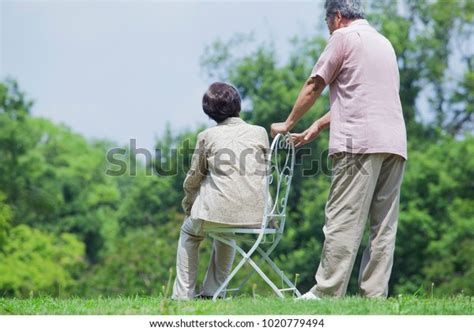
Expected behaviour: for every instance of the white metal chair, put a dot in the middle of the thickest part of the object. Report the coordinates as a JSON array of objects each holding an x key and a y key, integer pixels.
[{"x": 281, "y": 160}]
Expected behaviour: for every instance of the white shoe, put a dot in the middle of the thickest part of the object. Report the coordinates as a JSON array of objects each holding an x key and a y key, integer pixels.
[{"x": 308, "y": 296}]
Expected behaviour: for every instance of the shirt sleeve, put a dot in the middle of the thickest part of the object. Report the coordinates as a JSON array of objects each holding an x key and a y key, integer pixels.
[
  {"x": 195, "y": 175},
  {"x": 330, "y": 62}
]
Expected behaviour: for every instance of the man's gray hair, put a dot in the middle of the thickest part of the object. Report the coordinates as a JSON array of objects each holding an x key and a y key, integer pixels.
[{"x": 350, "y": 9}]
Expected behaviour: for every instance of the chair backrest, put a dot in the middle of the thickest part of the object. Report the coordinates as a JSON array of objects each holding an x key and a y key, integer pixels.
[{"x": 281, "y": 161}]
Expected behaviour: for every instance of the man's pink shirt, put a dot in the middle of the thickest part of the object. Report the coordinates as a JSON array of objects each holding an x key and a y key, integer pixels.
[{"x": 360, "y": 67}]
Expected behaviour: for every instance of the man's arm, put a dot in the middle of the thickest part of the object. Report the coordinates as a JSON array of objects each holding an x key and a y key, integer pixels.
[
  {"x": 325, "y": 120},
  {"x": 195, "y": 175},
  {"x": 313, "y": 131},
  {"x": 308, "y": 95}
]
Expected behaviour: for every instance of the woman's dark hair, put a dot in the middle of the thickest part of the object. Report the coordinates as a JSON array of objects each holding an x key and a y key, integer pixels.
[{"x": 221, "y": 101}]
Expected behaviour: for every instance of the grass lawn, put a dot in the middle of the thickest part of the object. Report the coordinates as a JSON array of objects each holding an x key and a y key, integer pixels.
[{"x": 406, "y": 305}]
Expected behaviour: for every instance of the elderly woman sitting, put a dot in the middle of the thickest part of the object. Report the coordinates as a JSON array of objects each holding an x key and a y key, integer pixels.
[{"x": 224, "y": 187}]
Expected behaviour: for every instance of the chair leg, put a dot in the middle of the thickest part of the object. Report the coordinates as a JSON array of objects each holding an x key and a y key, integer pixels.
[
  {"x": 261, "y": 260},
  {"x": 265, "y": 257},
  {"x": 246, "y": 258},
  {"x": 265, "y": 278},
  {"x": 278, "y": 270}
]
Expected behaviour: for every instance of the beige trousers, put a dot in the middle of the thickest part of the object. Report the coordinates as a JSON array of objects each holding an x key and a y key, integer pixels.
[
  {"x": 364, "y": 186},
  {"x": 222, "y": 257}
]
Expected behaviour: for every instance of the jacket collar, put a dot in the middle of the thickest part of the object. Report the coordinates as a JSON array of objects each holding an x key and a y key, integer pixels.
[{"x": 231, "y": 121}]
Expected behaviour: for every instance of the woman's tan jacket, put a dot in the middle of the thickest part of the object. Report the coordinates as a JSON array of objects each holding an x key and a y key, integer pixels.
[{"x": 226, "y": 181}]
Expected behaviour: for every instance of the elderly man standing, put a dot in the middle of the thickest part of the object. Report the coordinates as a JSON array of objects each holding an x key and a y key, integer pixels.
[{"x": 367, "y": 146}]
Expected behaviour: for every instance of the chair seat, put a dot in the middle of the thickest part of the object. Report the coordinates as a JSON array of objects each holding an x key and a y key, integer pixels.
[{"x": 242, "y": 230}]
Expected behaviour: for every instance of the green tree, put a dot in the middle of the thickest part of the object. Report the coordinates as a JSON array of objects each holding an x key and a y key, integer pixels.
[
  {"x": 435, "y": 229},
  {"x": 5, "y": 218},
  {"x": 53, "y": 178},
  {"x": 140, "y": 263},
  {"x": 433, "y": 41},
  {"x": 33, "y": 262}
]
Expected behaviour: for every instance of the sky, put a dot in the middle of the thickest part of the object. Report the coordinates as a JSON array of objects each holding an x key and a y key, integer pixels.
[{"x": 124, "y": 69}]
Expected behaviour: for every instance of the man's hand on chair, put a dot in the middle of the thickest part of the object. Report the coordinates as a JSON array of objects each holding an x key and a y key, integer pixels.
[
  {"x": 306, "y": 136},
  {"x": 277, "y": 128}
]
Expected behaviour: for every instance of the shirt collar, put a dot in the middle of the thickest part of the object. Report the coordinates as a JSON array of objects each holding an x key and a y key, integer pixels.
[
  {"x": 231, "y": 121},
  {"x": 359, "y": 21}
]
